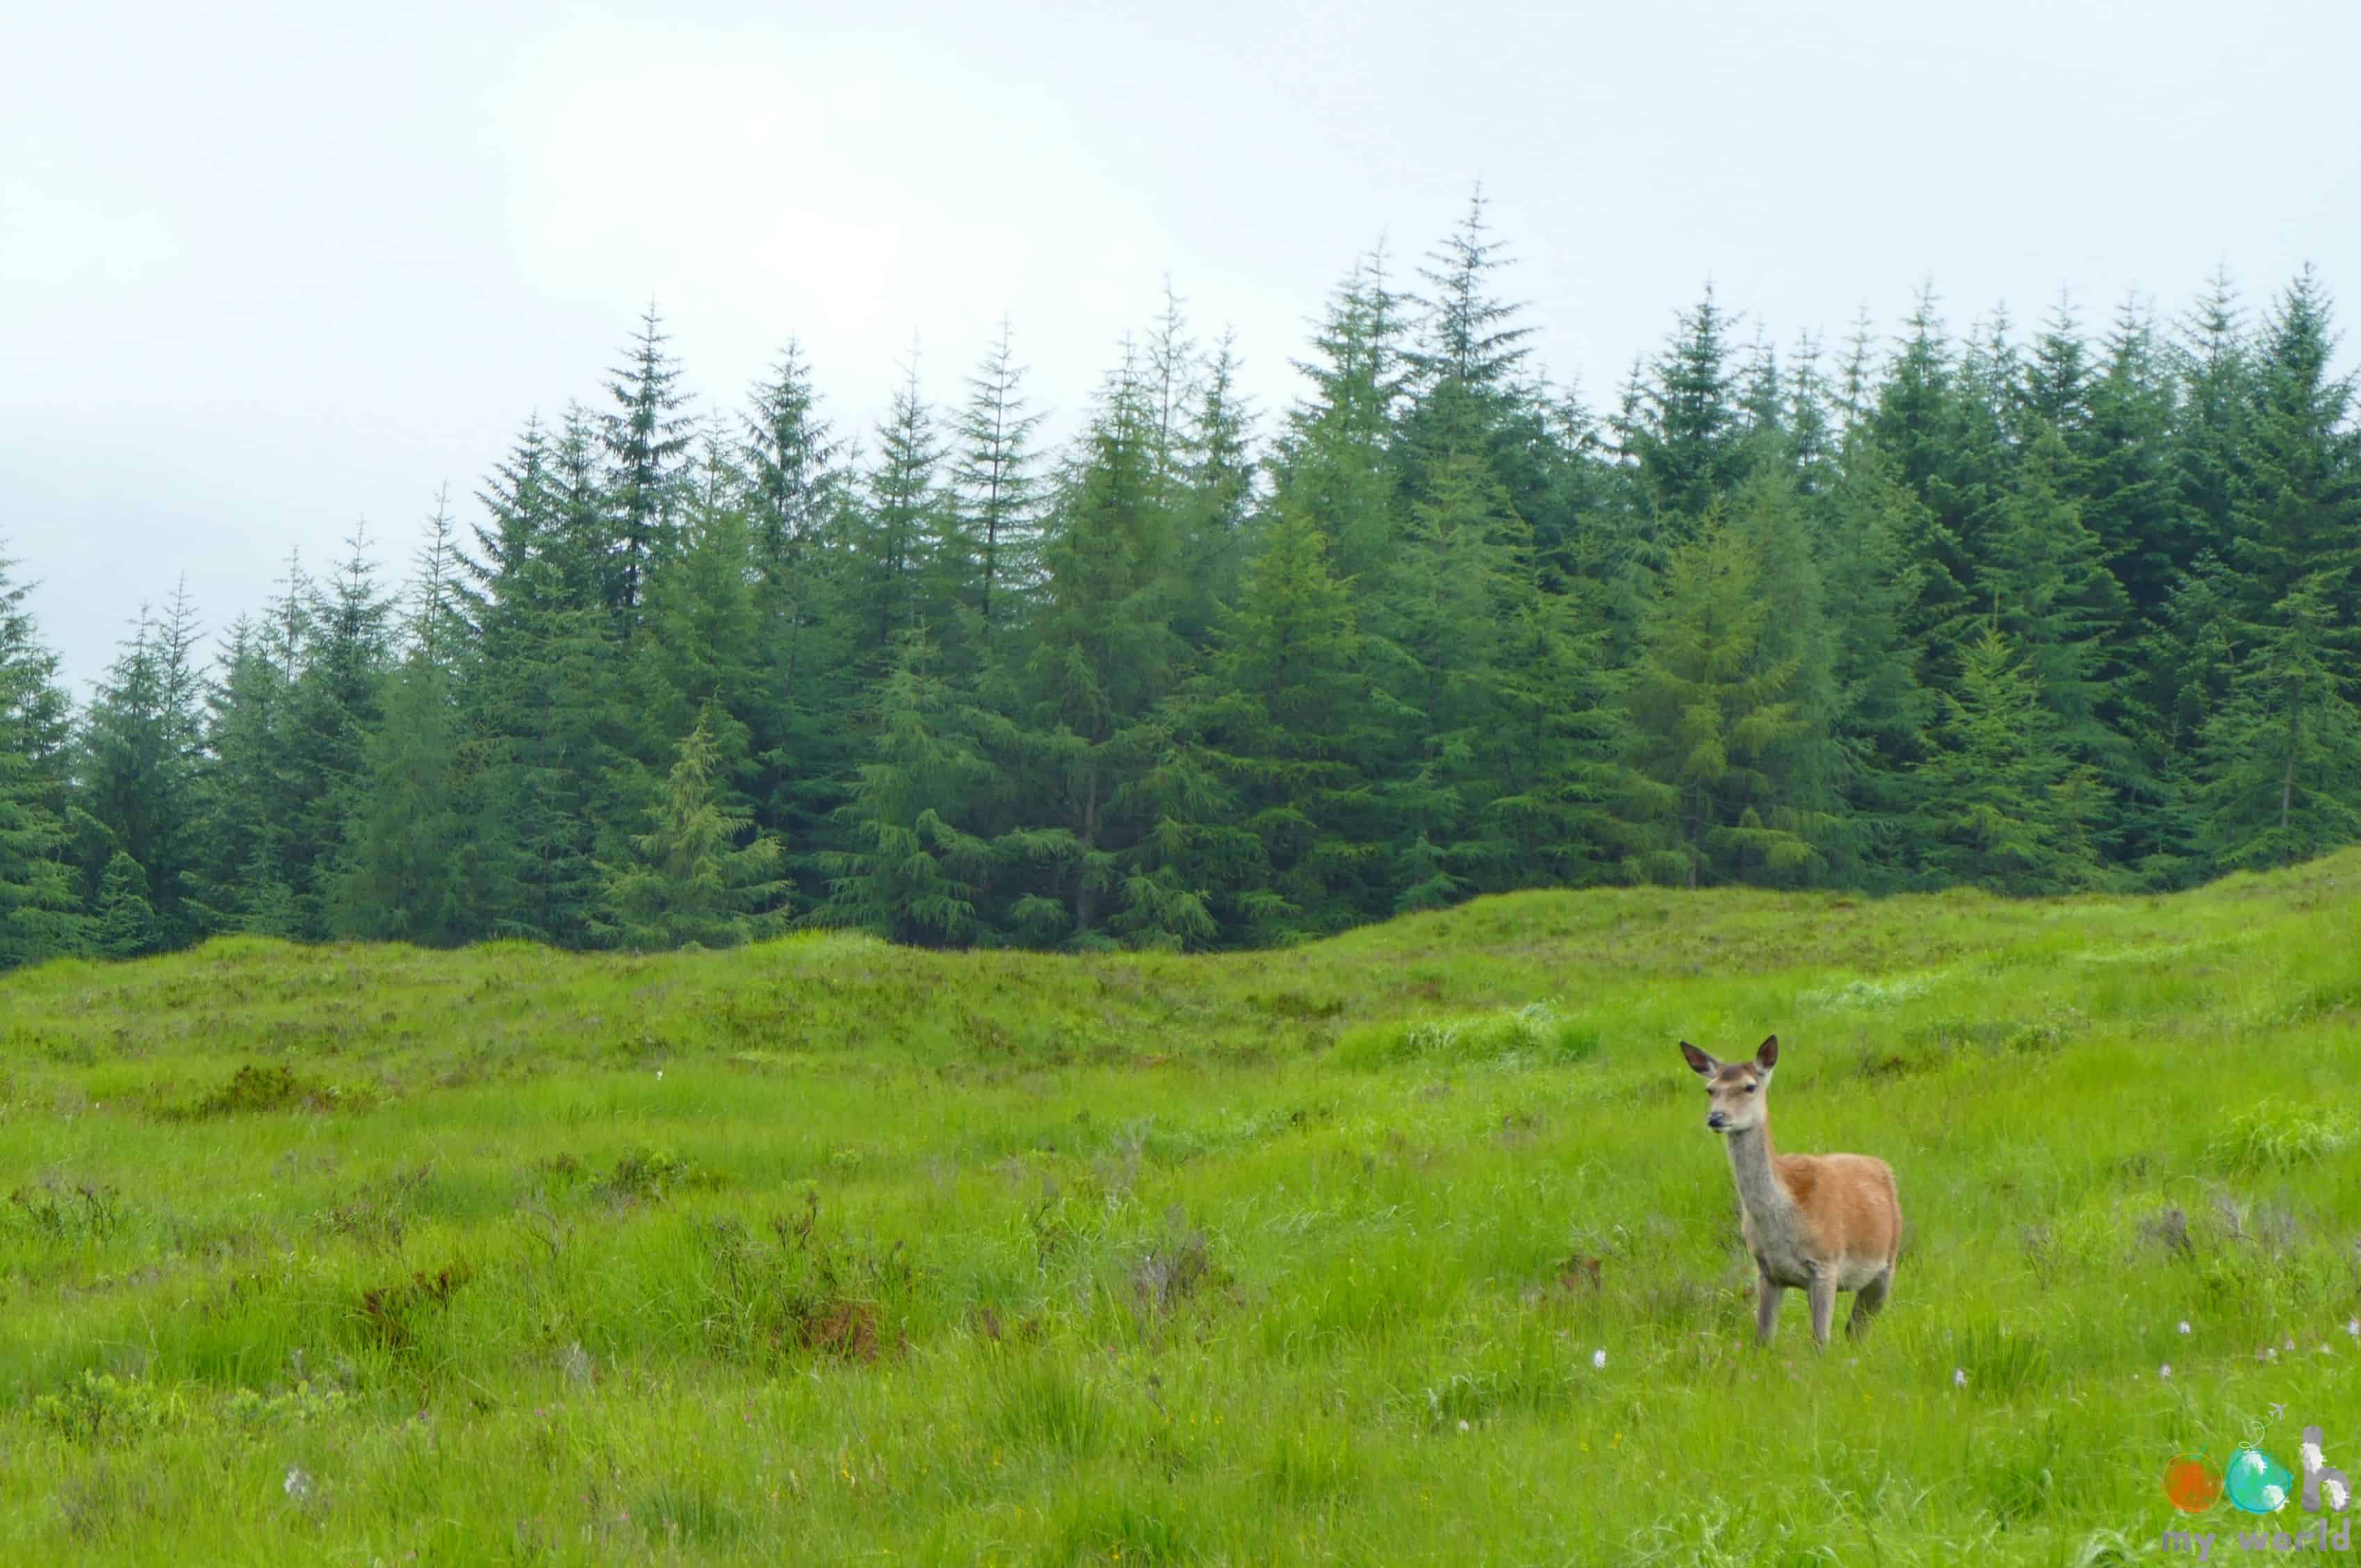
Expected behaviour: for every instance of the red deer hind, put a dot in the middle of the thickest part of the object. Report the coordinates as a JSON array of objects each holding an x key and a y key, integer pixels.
[{"x": 1816, "y": 1222}]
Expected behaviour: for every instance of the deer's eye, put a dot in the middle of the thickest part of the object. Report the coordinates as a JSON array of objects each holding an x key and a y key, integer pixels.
[{"x": 1749, "y": 1089}]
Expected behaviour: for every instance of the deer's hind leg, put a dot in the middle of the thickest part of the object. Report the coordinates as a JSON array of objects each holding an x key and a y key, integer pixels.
[{"x": 1866, "y": 1302}]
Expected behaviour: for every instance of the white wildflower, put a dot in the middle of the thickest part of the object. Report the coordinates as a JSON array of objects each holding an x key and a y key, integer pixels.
[
  {"x": 2165, "y": 1371},
  {"x": 1958, "y": 1378},
  {"x": 2353, "y": 1327},
  {"x": 298, "y": 1485},
  {"x": 659, "y": 1074},
  {"x": 2184, "y": 1326},
  {"x": 1599, "y": 1359},
  {"x": 2290, "y": 1344},
  {"x": 2313, "y": 1458},
  {"x": 2337, "y": 1494},
  {"x": 2276, "y": 1496}
]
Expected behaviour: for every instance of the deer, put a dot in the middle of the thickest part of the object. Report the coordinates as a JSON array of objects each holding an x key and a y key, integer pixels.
[{"x": 1819, "y": 1223}]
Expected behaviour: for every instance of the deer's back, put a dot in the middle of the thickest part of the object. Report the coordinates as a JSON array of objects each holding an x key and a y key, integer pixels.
[{"x": 1850, "y": 1206}]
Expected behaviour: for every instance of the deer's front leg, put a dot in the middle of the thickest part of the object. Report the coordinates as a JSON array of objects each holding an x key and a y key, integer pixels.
[
  {"x": 1823, "y": 1293},
  {"x": 1767, "y": 1297}
]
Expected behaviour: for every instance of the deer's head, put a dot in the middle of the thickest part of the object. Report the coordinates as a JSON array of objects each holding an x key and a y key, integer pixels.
[{"x": 1734, "y": 1090}]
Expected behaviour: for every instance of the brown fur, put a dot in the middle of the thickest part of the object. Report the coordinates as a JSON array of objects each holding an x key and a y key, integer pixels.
[{"x": 1816, "y": 1223}]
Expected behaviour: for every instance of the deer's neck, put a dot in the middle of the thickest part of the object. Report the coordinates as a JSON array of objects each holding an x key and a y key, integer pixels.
[{"x": 1760, "y": 1190}]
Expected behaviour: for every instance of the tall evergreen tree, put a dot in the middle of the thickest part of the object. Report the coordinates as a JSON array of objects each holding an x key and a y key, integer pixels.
[
  {"x": 913, "y": 875},
  {"x": 900, "y": 523},
  {"x": 336, "y": 703},
  {"x": 645, "y": 440},
  {"x": 1714, "y": 722},
  {"x": 2005, "y": 804},
  {"x": 140, "y": 771},
  {"x": 1103, "y": 659},
  {"x": 993, "y": 483},
  {"x": 700, "y": 874},
  {"x": 40, "y": 912}
]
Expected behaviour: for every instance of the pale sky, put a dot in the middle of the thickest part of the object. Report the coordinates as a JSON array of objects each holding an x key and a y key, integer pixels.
[{"x": 265, "y": 270}]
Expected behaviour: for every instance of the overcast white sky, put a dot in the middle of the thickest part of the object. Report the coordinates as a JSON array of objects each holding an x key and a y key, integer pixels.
[{"x": 264, "y": 270}]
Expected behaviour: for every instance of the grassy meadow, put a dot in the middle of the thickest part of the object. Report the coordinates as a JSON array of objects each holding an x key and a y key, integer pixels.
[{"x": 1406, "y": 1248}]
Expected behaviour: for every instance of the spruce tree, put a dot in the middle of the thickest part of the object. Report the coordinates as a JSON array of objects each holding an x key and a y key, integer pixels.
[
  {"x": 140, "y": 774},
  {"x": 537, "y": 700},
  {"x": 900, "y": 523},
  {"x": 700, "y": 874},
  {"x": 646, "y": 441},
  {"x": 1868, "y": 529},
  {"x": 1714, "y": 723},
  {"x": 336, "y": 703},
  {"x": 1283, "y": 720},
  {"x": 1103, "y": 658},
  {"x": 913, "y": 875},
  {"x": 2005, "y": 805},
  {"x": 126, "y": 926},
  {"x": 1688, "y": 436},
  {"x": 1339, "y": 453},
  {"x": 40, "y": 911},
  {"x": 799, "y": 509},
  {"x": 2280, "y": 760},
  {"x": 993, "y": 484}
]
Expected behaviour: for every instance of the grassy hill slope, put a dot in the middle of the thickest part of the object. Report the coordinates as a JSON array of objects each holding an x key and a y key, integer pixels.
[{"x": 1407, "y": 1247}]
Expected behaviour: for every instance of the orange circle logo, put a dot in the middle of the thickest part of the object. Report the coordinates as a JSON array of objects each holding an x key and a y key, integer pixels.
[{"x": 2191, "y": 1484}]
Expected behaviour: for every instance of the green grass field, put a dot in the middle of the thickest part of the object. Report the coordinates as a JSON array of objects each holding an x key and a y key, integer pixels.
[{"x": 1407, "y": 1247}]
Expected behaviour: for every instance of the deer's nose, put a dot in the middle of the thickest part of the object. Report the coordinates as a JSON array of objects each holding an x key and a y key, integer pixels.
[{"x": 1717, "y": 1119}]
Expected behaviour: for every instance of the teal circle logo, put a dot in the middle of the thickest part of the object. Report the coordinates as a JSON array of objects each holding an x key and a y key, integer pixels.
[{"x": 2257, "y": 1483}]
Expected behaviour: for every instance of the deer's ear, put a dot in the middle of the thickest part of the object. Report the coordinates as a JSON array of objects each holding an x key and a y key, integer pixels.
[
  {"x": 1699, "y": 1063},
  {"x": 1767, "y": 1056}
]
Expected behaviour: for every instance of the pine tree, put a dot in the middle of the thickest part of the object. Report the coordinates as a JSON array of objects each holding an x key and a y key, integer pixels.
[
  {"x": 2295, "y": 499},
  {"x": 1283, "y": 718},
  {"x": 40, "y": 912},
  {"x": 2214, "y": 378},
  {"x": 2281, "y": 758},
  {"x": 1813, "y": 437},
  {"x": 437, "y": 626},
  {"x": 1338, "y": 455},
  {"x": 2006, "y": 806},
  {"x": 1103, "y": 658},
  {"x": 127, "y": 926},
  {"x": 2056, "y": 388},
  {"x": 1869, "y": 528},
  {"x": 1688, "y": 436},
  {"x": 2045, "y": 582},
  {"x": 646, "y": 441},
  {"x": 798, "y": 503},
  {"x": 404, "y": 873},
  {"x": 335, "y": 702},
  {"x": 2124, "y": 473},
  {"x": 250, "y": 838},
  {"x": 700, "y": 874},
  {"x": 1212, "y": 497},
  {"x": 537, "y": 702},
  {"x": 901, "y": 521},
  {"x": 2296, "y": 512},
  {"x": 1714, "y": 722},
  {"x": 141, "y": 788},
  {"x": 993, "y": 483},
  {"x": 791, "y": 457},
  {"x": 914, "y": 876}
]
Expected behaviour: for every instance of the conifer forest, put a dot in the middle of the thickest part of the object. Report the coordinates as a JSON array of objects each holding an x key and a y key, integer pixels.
[{"x": 2036, "y": 606}]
